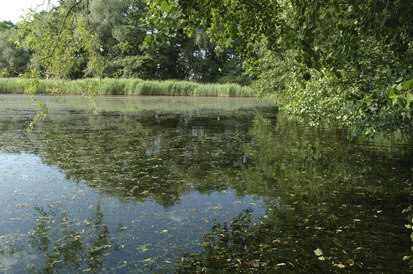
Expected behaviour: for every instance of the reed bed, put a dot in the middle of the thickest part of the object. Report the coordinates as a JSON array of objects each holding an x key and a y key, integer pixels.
[{"x": 109, "y": 86}]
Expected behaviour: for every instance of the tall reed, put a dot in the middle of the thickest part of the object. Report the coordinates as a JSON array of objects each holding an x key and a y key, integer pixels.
[{"x": 109, "y": 86}]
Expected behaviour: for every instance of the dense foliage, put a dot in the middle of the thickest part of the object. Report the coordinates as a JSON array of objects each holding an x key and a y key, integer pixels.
[
  {"x": 12, "y": 59},
  {"x": 344, "y": 62},
  {"x": 99, "y": 38}
]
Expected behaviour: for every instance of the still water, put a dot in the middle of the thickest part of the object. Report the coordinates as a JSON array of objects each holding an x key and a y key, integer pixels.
[{"x": 164, "y": 184}]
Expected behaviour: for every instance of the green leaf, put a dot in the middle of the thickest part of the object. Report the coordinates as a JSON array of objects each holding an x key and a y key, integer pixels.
[
  {"x": 409, "y": 99},
  {"x": 390, "y": 92},
  {"x": 165, "y": 6},
  {"x": 148, "y": 39},
  {"x": 407, "y": 84}
]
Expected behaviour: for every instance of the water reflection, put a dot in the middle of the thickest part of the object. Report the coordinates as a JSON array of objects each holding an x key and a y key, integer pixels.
[
  {"x": 155, "y": 149},
  {"x": 134, "y": 190},
  {"x": 49, "y": 223},
  {"x": 136, "y": 156},
  {"x": 338, "y": 207},
  {"x": 63, "y": 247}
]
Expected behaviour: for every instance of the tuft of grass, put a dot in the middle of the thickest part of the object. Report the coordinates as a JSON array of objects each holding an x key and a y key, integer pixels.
[{"x": 109, "y": 86}]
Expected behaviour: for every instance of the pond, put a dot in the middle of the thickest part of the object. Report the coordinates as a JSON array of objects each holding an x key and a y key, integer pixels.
[{"x": 176, "y": 184}]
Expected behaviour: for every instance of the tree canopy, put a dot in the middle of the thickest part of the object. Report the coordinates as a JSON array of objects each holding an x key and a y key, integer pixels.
[
  {"x": 12, "y": 59},
  {"x": 343, "y": 62},
  {"x": 97, "y": 38}
]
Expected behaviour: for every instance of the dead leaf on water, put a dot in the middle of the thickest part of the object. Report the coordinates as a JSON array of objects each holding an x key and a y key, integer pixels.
[
  {"x": 22, "y": 205},
  {"x": 318, "y": 252},
  {"x": 350, "y": 262},
  {"x": 340, "y": 266}
]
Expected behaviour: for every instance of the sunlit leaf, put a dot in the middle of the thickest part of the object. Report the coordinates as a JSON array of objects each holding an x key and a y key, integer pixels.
[{"x": 318, "y": 252}]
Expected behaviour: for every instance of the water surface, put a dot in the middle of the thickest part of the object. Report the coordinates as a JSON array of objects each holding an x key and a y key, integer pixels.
[{"x": 140, "y": 184}]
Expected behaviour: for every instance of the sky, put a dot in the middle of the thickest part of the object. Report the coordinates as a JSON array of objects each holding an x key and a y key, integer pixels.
[{"x": 13, "y": 9}]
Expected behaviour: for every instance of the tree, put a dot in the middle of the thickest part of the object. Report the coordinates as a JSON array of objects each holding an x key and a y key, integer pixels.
[
  {"x": 12, "y": 59},
  {"x": 357, "y": 54},
  {"x": 61, "y": 40},
  {"x": 98, "y": 38}
]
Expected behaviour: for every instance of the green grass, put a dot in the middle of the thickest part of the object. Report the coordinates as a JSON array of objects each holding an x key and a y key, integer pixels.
[{"x": 109, "y": 86}]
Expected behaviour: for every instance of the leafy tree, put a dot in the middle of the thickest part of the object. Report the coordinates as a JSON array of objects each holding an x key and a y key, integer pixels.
[
  {"x": 177, "y": 57},
  {"x": 12, "y": 59},
  {"x": 354, "y": 55},
  {"x": 60, "y": 39},
  {"x": 98, "y": 38}
]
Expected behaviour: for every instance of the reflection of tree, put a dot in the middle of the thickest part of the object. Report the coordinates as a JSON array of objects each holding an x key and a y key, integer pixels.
[
  {"x": 323, "y": 193},
  {"x": 327, "y": 196},
  {"x": 144, "y": 155},
  {"x": 64, "y": 244},
  {"x": 100, "y": 243},
  {"x": 59, "y": 245}
]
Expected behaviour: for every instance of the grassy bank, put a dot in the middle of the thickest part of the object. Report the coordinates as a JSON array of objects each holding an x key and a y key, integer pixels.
[{"x": 126, "y": 87}]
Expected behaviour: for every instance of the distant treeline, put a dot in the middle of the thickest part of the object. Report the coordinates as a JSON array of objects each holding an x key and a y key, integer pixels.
[
  {"x": 118, "y": 49},
  {"x": 109, "y": 86}
]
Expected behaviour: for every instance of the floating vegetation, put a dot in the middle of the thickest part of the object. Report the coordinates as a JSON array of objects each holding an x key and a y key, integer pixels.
[{"x": 195, "y": 190}]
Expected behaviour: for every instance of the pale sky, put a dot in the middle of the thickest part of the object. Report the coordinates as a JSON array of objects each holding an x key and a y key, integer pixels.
[{"x": 13, "y": 9}]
